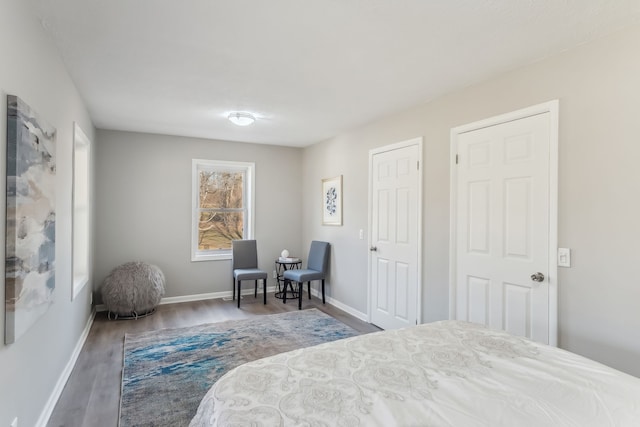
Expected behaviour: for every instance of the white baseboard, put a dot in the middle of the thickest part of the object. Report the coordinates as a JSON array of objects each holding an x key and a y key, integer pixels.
[
  {"x": 228, "y": 294},
  {"x": 199, "y": 297},
  {"x": 212, "y": 295},
  {"x": 64, "y": 376},
  {"x": 337, "y": 304},
  {"x": 66, "y": 373}
]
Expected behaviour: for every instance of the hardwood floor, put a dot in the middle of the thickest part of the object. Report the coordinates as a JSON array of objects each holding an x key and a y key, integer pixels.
[{"x": 92, "y": 394}]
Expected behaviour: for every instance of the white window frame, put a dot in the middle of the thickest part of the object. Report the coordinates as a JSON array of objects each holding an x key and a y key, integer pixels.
[
  {"x": 81, "y": 210},
  {"x": 248, "y": 198}
]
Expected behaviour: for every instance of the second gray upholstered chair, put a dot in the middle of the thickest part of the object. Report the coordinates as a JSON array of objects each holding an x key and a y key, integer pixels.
[
  {"x": 245, "y": 267},
  {"x": 317, "y": 267}
]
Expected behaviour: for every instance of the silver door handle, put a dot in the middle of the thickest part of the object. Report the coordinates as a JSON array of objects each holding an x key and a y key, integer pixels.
[
  {"x": 537, "y": 277},
  {"x": 373, "y": 249}
]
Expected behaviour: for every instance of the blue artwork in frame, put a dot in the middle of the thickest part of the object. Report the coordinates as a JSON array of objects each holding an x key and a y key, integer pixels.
[
  {"x": 332, "y": 201},
  {"x": 31, "y": 218}
]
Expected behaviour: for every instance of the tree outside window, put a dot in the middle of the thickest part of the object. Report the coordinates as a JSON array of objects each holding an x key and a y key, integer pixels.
[{"x": 222, "y": 207}]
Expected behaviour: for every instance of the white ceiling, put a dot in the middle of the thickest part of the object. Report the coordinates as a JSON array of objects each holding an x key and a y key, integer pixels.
[{"x": 309, "y": 69}]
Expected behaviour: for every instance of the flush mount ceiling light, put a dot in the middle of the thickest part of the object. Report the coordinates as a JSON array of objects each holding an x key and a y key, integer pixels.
[{"x": 241, "y": 118}]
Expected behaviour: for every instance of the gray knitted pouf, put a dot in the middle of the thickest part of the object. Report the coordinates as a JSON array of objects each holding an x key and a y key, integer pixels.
[{"x": 133, "y": 290}]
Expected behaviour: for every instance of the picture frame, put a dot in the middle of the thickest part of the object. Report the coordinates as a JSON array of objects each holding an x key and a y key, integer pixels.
[
  {"x": 30, "y": 243},
  {"x": 332, "y": 201}
]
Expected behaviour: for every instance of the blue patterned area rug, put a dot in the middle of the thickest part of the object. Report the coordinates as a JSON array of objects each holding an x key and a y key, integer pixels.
[{"x": 166, "y": 373}]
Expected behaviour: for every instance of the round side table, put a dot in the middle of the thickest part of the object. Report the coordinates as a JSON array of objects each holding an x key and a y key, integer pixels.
[{"x": 281, "y": 267}]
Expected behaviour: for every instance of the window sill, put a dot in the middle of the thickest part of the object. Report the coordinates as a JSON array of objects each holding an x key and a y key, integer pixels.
[{"x": 210, "y": 257}]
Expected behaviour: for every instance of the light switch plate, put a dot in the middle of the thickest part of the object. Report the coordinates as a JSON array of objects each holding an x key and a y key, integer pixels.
[{"x": 564, "y": 257}]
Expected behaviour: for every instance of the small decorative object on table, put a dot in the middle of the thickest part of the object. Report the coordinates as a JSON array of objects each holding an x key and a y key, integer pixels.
[{"x": 286, "y": 259}]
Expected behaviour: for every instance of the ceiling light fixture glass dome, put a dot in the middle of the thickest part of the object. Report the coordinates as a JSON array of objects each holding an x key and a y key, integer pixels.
[{"x": 241, "y": 118}]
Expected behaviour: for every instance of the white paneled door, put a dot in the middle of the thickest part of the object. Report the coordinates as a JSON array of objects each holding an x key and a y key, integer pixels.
[
  {"x": 395, "y": 235},
  {"x": 503, "y": 227}
]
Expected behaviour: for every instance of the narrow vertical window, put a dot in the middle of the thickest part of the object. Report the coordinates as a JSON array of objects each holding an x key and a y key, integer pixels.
[
  {"x": 81, "y": 221},
  {"x": 222, "y": 207}
]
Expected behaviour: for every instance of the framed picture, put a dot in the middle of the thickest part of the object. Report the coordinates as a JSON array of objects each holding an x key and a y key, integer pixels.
[
  {"x": 30, "y": 262},
  {"x": 332, "y": 201}
]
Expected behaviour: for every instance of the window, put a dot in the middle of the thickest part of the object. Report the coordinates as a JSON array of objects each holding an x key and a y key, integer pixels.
[
  {"x": 222, "y": 198},
  {"x": 81, "y": 159}
]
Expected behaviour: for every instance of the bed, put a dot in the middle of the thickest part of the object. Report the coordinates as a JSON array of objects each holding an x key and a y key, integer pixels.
[{"x": 447, "y": 373}]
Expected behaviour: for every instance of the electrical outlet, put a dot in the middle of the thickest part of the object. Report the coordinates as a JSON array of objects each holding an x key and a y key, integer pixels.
[
  {"x": 14, "y": 423},
  {"x": 274, "y": 274}
]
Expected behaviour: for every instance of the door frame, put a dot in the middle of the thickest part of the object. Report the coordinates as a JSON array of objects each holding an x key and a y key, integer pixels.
[
  {"x": 402, "y": 144},
  {"x": 551, "y": 107}
]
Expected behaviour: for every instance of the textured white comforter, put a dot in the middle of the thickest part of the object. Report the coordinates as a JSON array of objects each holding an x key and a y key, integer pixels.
[{"x": 440, "y": 374}]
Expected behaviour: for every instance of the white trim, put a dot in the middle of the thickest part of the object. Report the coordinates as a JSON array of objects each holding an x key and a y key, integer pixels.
[
  {"x": 552, "y": 107},
  {"x": 210, "y": 257},
  {"x": 80, "y": 142},
  {"x": 43, "y": 419},
  {"x": 337, "y": 304},
  {"x": 453, "y": 209},
  {"x": 227, "y": 295},
  {"x": 200, "y": 297},
  {"x": 249, "y": 187},
  {"x": 554, "y": 132},
  {"x": 369, "y": 234},
  {"x": 403, "y": 144}
]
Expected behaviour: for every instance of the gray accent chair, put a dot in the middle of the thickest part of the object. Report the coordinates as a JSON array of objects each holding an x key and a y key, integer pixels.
[
  {"x": 245, "y": 267},
  {"x": 317, "y": 268}
]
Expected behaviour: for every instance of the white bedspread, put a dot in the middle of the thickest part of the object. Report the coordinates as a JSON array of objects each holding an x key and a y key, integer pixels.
[{"x": 440, "y": 374}]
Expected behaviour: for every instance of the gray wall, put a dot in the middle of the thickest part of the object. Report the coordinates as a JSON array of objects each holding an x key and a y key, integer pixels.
[
  {"x": 143, "y": 206},
  {"x": 599, "y": 190},
  {"x": 143, "y": 199},
  {"x": 31, "y": 69}
]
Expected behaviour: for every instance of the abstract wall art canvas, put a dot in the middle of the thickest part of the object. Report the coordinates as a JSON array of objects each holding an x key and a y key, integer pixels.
[{"x": 31, "y": 218}]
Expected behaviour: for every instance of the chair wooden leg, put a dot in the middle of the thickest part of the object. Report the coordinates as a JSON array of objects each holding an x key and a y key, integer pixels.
[
  {"x": 323, "y": 291},
  {"x": 264, "y": 290},
  {"x": 300, "y": 290},
  {"x": 239, "y": 291},
  {"x": 309, "y": 288},
  {"x": 255, "y": 290},
  {"x": 234, "y": 288}
]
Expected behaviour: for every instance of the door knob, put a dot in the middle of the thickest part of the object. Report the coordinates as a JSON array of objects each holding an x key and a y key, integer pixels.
[
  {"x": 373, "y": 249},
  {"x": 537, "y": 277}
]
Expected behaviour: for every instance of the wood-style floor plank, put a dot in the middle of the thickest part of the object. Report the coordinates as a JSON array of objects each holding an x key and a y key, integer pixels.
[{"x": 91, "y": 397}]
